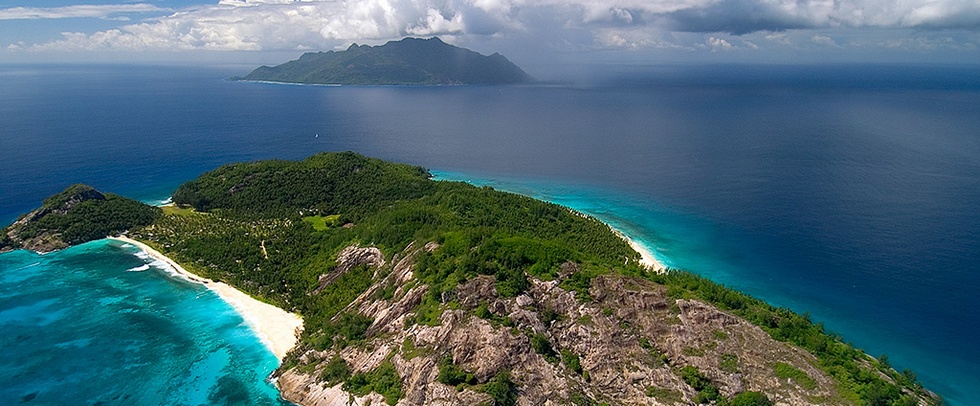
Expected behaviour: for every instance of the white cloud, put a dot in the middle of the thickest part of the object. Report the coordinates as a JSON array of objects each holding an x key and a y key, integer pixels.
[
  {"x": 638, "y": 38},
  {"x": 823, "y": 40},
  {"x": 780, "y": 38},
  {"x": 77, "y": 11},
  {"x": 434, "y": 23},
  {"x": 285, "y": 24},
  {"x": 324, "y": 24},
  {"x": 952, "y": 13},
  {"x": 932, "y": 43},
  {"x": 719, "y": 44}
]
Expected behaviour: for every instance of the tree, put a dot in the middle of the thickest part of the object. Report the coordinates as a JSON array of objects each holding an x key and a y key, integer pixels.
[{"x": 750, "y": 399}]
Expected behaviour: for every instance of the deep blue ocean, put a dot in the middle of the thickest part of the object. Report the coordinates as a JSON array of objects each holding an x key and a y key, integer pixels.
[{"x": 850, "y": 192}]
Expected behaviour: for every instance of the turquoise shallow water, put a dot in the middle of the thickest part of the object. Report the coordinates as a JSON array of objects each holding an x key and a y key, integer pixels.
[{"x": 102, "y": 323}]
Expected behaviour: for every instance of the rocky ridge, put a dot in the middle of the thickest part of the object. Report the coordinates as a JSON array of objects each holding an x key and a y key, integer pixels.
[{"x": 628, "y": 345}]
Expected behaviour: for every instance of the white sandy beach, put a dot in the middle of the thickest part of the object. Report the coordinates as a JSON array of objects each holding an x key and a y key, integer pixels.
[
  {"x": 646, "y": 255},
  {"x": 277, "y": 328}
]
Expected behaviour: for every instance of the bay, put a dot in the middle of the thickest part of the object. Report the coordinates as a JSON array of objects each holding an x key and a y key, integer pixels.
[{"x": 103, "y": 323}]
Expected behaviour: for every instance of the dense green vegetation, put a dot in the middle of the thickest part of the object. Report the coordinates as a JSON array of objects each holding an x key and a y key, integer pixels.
[
  {"x": 383, "y": 380},
  {"x": 321, "y": 185},
  {"x": 274, "y": 229},
  {"x": 409, "y": 61},
  {"x": 571, "y": 361},
  {"x": 336, "y": 371},
  {"x": 80, "y": 214},
  {"x": 707, "y": 391},
  {"x": 451, "y": 374},
  {"x": 94, "y": 219},
  {"x": 750, "y": 399},
  {"x": 501, "y": 389},
  {"x": 787, "y": 371},
  {"x": 386, "y": 205}
]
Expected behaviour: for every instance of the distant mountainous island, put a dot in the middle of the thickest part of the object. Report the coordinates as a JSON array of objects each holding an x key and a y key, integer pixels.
[{"x": 410, "y": 61}]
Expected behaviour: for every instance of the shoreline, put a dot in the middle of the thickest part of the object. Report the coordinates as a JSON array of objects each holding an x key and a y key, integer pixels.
[
  {"x": 276, "y": 328},
  {"x": 647, "y": 259}
]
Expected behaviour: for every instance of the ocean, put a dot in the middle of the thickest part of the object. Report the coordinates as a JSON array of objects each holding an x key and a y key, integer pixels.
[
  {"x": 849, "y": 192},
  {"x": 103, "y": 323}
]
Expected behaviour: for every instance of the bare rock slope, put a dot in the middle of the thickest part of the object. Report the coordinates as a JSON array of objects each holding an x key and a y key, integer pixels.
[{"x": 630, "y": 344}]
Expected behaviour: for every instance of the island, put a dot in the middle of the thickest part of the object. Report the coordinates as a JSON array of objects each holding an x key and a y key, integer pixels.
[
  {"x": 77, "y": 215},
  {"x": 410, "y": 61},
  {"x": 416, "y": 291}
]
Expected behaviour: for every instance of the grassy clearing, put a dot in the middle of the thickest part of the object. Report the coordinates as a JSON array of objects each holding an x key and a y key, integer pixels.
[
  {"x": 322, "y": 223},
  {"x": 787, "y": 371},
  {"x": 173, "y": 210}
]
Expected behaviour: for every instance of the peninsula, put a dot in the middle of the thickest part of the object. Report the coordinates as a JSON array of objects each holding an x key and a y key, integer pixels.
[
  {"x": 411, "y": 61},
  {"x": 414, "y": 291}
]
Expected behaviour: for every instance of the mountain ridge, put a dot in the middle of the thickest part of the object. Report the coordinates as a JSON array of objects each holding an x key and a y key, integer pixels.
[{"x": 410, "y": 61}]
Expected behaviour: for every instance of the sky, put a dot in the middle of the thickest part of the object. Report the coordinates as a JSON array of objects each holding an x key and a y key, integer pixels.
[{"x": 533, "y": 33}]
